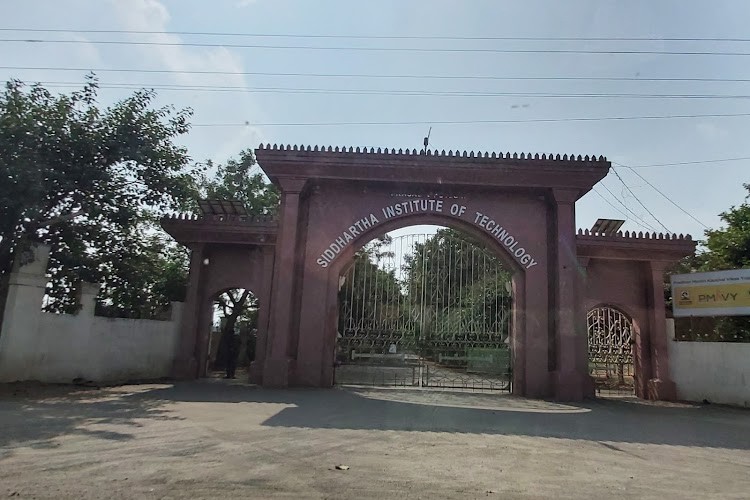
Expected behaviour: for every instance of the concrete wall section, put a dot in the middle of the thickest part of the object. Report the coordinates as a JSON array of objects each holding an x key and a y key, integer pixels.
[
  {"x": 65, "y": 347},
  {"x": 58, "y": 348},
  {"x": 718, "y": 372}
]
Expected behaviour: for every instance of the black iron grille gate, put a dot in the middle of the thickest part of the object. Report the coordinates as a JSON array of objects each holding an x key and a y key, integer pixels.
[{"x": 425, "y": 310}]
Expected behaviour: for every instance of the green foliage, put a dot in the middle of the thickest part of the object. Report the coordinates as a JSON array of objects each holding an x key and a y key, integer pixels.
[
  {"x": 370, "y": 295},
  {"x": 88, "y": 182},
  {"x": 729, "y": 247},
  {"x": 142, "y": 283},
  {"x": 463, "y": 282},
  {"x": 452, "y": 288},
  {"x": 242, "y": 180}
]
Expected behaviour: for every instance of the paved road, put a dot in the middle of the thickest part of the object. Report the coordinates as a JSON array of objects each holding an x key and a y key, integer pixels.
[{"x": 218, "y": 438}]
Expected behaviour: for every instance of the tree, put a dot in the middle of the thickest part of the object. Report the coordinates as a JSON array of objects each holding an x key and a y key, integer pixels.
[
  {"x": 462, "y": 283},
  {"x": 85, "y": 181},
  {"x": 370, "y": 294},
  {"x": 143, "y": 283},
  {"x": 241, "y": 180},
  {"x": 729, "y": 248}
]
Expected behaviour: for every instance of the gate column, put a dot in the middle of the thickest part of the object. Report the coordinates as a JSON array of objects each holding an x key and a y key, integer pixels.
[
  {"x": 185, "y": 365},
  {"x": 570, "y": 377},
  {"x": 278, "y": 356},
  {"x": 661, "y": 386}
]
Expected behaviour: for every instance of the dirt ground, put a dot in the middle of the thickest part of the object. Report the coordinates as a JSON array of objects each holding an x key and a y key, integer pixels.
[{"x": 224, "y": 439}]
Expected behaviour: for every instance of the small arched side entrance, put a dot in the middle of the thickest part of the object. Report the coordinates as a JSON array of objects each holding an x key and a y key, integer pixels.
[
  {"x": 424, "y": 306},
  {"x": 226, "y": 252},
  {"x": 611, "y": 341},
  {"x": 234, "y": 328}
]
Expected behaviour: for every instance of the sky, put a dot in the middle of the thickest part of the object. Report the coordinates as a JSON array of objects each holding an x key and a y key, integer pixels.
[{"x": 511, "y": 83}]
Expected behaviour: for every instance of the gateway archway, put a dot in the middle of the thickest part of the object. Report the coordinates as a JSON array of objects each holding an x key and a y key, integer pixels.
[
  {"x": 425, "y": 306},
  {"x": 335, "y": 201}
]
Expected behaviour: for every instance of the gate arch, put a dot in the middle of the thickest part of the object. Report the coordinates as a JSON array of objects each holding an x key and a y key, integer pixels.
[
  {"x": 425, "y": 309},
  {"x": 518, "y": 285},
  {"x": 346, "y": 256}
]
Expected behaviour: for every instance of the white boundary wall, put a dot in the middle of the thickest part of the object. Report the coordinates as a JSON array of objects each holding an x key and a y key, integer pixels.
[
  {"x": 58, "y": 348},
  {"x": 718, "y": 372}
]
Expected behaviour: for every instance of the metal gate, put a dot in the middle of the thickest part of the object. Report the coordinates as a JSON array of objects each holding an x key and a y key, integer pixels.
[
  {"x": 610, "y": 338},
  {"x": 425, "y": 310}
]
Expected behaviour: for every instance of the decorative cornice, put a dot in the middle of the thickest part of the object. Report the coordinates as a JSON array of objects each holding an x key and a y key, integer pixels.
[{"x": 450, "y": 153}]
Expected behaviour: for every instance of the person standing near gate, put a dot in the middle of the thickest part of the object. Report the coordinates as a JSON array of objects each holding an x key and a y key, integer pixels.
[{"x": 233, "y": 352}]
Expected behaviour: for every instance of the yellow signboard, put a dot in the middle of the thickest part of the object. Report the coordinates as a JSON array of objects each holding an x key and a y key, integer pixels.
[{"x": 720, "y": 293}]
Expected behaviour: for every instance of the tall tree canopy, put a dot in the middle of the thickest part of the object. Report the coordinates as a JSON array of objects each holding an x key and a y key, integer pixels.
[
  {"x": 729, "y": 247},
  {"x": 242, "y": 180},
  {"x": 85, "y": 180}
]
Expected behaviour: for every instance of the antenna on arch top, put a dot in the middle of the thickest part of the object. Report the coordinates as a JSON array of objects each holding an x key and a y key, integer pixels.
[{"x": 427, "y": 140}]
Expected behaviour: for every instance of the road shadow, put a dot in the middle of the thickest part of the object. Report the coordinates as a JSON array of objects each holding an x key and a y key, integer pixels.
[
  {"x": 34, "y": 414},
  {"x": 370, "y": 409}
]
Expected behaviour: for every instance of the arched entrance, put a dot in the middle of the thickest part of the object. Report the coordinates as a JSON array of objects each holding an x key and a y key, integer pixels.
[
  {"x": 611, "y": 340},
  {"x": 234, "y": 328},
  {"x": 425, "y": 306}
]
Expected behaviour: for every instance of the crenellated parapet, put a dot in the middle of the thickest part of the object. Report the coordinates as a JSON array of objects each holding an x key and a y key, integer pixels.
[
  {"x": 666, "y": 247},
  {"x": 225, "y": 228},
  {"x": 429, "y": 152},
  {"x": 640, "y": 235}
]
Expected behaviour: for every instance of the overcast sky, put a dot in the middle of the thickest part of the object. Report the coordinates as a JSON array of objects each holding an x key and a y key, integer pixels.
[{"x": 702, "y": 189}]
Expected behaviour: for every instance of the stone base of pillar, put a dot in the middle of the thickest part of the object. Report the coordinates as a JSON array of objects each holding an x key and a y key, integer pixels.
[
  {"x": 276, "y": 372},
  {"x": 185, "y": 369},
  {"x": 572, "y": 386},
  {"x": 662, "y": 389},
  {"x": 308, "y": 374}
]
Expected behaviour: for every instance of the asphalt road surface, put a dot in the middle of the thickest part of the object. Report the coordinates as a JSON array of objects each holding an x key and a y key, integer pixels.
[{"x": 225, "y": 439}]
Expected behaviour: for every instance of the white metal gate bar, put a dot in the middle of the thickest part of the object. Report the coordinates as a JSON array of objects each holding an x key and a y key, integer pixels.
[{"x": 435, "y": 301}]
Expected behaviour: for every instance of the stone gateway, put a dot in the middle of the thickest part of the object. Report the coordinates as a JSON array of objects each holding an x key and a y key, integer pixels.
[{"x": 521, "y": 208}]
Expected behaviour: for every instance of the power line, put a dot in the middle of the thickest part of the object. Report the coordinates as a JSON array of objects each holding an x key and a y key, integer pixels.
[
  {"x": 409, "y": 93},
  {"x": 613, "y": 206},
  {"x": 670, "y": 200},
  {"x": 697, "y": 162},
  {"x": 639, "y": 220},
  {"x": 380, "y": 76},
  {"x": 614, "y": 170},
  {"x": 642, "y": 223},
  {"x": 461, "y": 122},
  {"x": 384, "y": 49},
  {"x": 382, "y": 37}
]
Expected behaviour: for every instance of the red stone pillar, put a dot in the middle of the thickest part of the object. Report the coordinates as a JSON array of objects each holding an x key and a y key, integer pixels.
[
  {"x": 264, "y": 298},
  {"x": 570, "y": 376},
  {"x": 185, "y": 365},
  {"x": 661, "y": 386},
  {"x": 278, "y": 356},
  {"x": 589, "y": 388}
]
